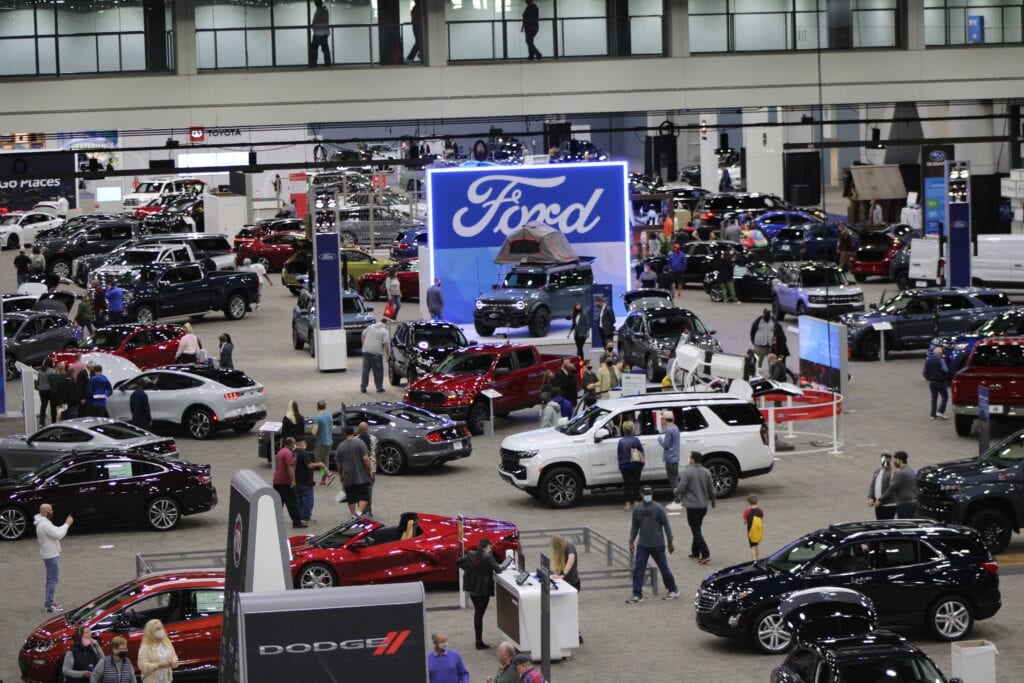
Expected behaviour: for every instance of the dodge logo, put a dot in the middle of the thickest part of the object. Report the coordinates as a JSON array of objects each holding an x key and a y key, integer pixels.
[{"x": 388, "y": 645}]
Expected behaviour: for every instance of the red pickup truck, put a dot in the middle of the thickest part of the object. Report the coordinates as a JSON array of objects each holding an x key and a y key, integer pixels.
[
  {"x": 455, "y": 386},
  {"x": 996, "y": 363}
]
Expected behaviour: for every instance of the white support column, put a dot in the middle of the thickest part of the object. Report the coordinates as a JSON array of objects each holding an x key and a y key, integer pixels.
[
  {"x": 708, "y": 158},
  {"x": 184, "y": 18},
  {"x": 763, "y": 145},
  {"x": 915, "y": 24},
  {"x": 435, "y": 33}
]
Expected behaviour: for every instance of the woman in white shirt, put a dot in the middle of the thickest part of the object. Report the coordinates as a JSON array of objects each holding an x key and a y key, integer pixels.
[{"x": 188, "y": 346}]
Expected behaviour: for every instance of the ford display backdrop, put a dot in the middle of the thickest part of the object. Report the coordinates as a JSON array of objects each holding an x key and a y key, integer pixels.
[{"x": 471, "y": 211}]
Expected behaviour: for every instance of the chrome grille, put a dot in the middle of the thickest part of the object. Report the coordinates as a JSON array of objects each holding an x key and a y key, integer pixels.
[
  {"x": 426, "y": 397},
  {"x": 706, "y": 600}
]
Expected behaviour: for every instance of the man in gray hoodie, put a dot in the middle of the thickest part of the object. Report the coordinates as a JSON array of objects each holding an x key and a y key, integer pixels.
[
  {"x": 902, "y": 489},
  {"x": 650, "y": 523},
  {"x": 49, "y": 535},
  {"x": 550, "y": 411},
  {"x": 695, "y": 491}
]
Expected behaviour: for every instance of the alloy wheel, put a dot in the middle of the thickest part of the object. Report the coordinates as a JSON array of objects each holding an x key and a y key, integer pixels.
[
  {"x": 952, "y": 619},
  {"x": 390, "y": 460},
  {"x": 200, "y": 424},
  {"x": 13, "y": 523},
  {"x": 772, "y": 634},
  {"x": 163, "y": 514},
  {"x": 316, "y": 576}
]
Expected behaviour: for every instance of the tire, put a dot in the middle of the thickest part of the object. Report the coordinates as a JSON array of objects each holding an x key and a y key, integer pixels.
[
  {"x": 561, "y": 488},
  {"x": 265, "y": 262},
  {"x": 234, "y": 309},
  {"x": 540, "y": 323},
  {"x": 316, "y": 575},
  {"x": 994, "y": 527},
  {"x": 199, "y": 423},
  {"x": 244, "y": 427},
  {"x": 145, "y": 314},
  {"x": 370, "y": 292},
  {"x": 950, "y": 618},
  {"x": 61, "y": 268},
  {"x": 963, "y": 424},
  {"x": 651, "y": 369},
  {"x": 860, "y": 277},
  {"x": 715, "y": 293},
  {"x": 801, "y": 309},
  {"x": 769, "y": 633},
  {"x": 870, "y": 347},
  {"x": 902, "y": 279},
  {"x": 310, "y": 346},
  {"x": 777, "y": 311},
  {"x": 163, "y": 513},
  {"x": 478, "y": 415},
  {"x": 393, "y": 377},
  {"x": 13, "y": 523},
  {"x": 13, "y": 242},
  {"x": 483, "y": 330},
  {"x": 10, "y": 369},
  {"x": 297, "y": 342},
  {"x": 391, "y": 459},
  {"x": 723, "y": 475}
]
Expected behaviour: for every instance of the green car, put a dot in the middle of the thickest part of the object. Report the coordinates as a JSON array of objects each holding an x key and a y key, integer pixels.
[{"x": 360, "y": 262}]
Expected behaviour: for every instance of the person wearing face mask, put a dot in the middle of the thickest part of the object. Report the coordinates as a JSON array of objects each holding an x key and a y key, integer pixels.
[
  {"x": 115, "y": 668},
  {"x": 879, "y": 485},
  {"x": 580, "y": 328},
  {"x": 445, "y": 665},
  {"x": 82, "y": 657},
  {"x": 650, "y": 523},
  {"x": 479, "y": 566},
  {"x": 157, "y": 658}
]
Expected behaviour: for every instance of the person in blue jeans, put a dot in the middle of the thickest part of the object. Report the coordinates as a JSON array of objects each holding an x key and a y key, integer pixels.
[
  {"x": 629, "y": 466},
  {"x": 650, "y": 524},
  {"x": 48, "y": 534},
  {"x": 305, "y": 466},
  {"x": 937, "y": 373}
]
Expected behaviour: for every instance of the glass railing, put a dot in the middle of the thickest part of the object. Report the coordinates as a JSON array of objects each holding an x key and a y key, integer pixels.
[
  {"x": 78, "y": 53},
  {"x": 791, "y": 30}
]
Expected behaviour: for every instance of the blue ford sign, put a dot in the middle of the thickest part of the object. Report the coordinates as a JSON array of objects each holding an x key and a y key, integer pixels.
[
  {"x": 472, "y": 210},
  {"x": 328, "y": 281}
]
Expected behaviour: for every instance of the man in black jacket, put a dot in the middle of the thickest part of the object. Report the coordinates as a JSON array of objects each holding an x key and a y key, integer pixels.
[
  {"x": 65, "y": 392},
  {"x": 531, "y": 25},
  {"x": 479, "y": 566},
  {"x": 565, "y": 379},
  {"x": 605, "y": 320},
  {"x": 138, "y": 401},
  {"x": 902, "y": 489}
]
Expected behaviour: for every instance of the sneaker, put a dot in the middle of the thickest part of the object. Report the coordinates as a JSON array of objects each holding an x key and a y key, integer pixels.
[
  {"x": 672, "y": 595},
  {"x": 381, "y": 391},
  {"x": 55, "y": 608},
  {"x": 362, "y": 391},
  {"x": 941, "y": 416},
  {"x": 330, "y": 479},
  {"x": 635, "y": 598},
  {"x": 674, "y": 506}
]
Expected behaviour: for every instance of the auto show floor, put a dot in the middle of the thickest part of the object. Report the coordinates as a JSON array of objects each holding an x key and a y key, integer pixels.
[{"x": 887, "y": 409}]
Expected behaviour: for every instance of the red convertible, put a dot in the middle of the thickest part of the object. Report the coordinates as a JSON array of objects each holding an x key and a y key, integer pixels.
[
  {"x": 371, "y": 285},
  {"x": 273, "y": 250},
  {"x": 148, "y": 346},
  {"x": 421, "y": 547}
]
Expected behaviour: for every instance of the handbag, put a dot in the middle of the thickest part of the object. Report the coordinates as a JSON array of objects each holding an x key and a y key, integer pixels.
[
  {"x": 636, "y": 455},
  {"x": 389, "y": 311}
]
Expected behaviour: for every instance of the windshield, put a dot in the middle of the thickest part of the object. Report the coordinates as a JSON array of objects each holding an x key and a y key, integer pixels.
[
  {"x": 798, "y": 553},
  {"x": 822, "y": 277},
  {"x": 12, "y": 219},
  {"x": 148, "y": 188},
  {"x": 672, "y": 324},
  {"x": 883, "y": 671},
  {"x": 1007, "y": 453},
  {"x": 583, "y": 423},
  {"x": 525, "y": 280},
  {"x": 469, "y": 363},
  {"x": 102, "y": 604},
  {"x": 352, "y": 304},
  {"x": 107, "y": 338},
  {"x": 413, "y": 415},
  {"x": 340, "y": 535},
  {"x": 874, "y": 239},
  {"x": 1001, "y": 324},
  {"x": 790, "y": 234},
  {"x": 11, "y": 327},
  {"x": 135, "y": 257},
  {"x": 434, "y": 337}
]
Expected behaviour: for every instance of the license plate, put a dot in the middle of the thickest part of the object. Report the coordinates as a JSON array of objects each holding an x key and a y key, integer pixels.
[
  {"x": 457, "y": 446},
  {"x": 995, "y": 410},
  {"x": 784, "y": 247},
  {"x": 920, "y": 283}
]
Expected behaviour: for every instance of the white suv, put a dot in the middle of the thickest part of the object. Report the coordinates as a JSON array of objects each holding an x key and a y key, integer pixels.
[{"x": 556, "y": 464}]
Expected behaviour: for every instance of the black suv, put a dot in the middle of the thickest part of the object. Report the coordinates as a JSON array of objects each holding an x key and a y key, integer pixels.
[
  {"x": 648, "y": 337},
  {"x": 711, "y": 209},
  {"x": 183, "y": 214},
  {"x": 701, "y": 258},
  {"x": 100, "y": 237},
  {"x": 417, "y": 346},
  {"x": 837, "y": 643},
  {"x": 916, "y": 572},
  {"x": 533, "y": 294},
  {"x": 983, "y": 492}
]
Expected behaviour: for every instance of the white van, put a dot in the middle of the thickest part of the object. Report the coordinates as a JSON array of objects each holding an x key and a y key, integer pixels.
[
  {"x": 150, "y": 189},
  {"x": 997, "y": 261}
]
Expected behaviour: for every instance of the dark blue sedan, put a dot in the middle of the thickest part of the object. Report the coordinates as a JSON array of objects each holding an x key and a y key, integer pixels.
[
  {"x": 772, "y": 222},
  {"x": 957, "y": 348}
]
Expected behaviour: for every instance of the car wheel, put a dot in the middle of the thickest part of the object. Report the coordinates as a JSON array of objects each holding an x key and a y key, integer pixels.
[
  {"x": 994, "y": 528},
  {"x": 145, "y": 315},
  {"x": 13, "y": 242},
  {"x": 777, "y": 311},
  {"x": 244, "y": 427},
  {"x": 716, "y": 293},
  {"x": 296, "y": 340},
  {"x": 10, "y": 369},
  {"x": 309, "y": 344},
  {"x": 561, "y": 488},
  {"x": 801, "y": 309},
  {"x": 870, "y": 346},
  {"x": 770, "y": 633},
  {"x": 370, "y": 291},
  {"x": 478, "y": 415},
  {"x": 393, "y": 377},
  {"x": 199, "y": 423},
  {"x": 950, "y": 618},
  {"x": 902, "y": 279},
  {"x": 61, "y": 269},
  {"x": 391, "y": 459},
  {"x": 316, "y": 575},
  {"x": 483, "y": 330},
  {"x": 540, "y": 323},
  {"x": 235, "y": 309},
  {"x": 163, "y": 514},
  {"x": 860, "y": 277},
  {"x": 13, "y": 524},
  {"x": 265, "y": 262},
  {"x": 651, "y": 369},
  {"x": 723, "y": 476},
  {"x": 963, "y": 424}
]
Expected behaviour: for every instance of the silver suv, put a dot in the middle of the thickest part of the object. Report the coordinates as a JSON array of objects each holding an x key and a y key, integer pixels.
[{"x": 814, "y": 288}]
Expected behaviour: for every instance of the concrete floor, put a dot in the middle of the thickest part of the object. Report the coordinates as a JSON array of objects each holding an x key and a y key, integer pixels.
[{"x": 653, "y": 641}]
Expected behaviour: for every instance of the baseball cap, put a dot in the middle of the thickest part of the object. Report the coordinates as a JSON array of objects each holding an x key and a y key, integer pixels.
[
  {"x": 646, "y": 489},
  {"x": 521, "y": 658}
]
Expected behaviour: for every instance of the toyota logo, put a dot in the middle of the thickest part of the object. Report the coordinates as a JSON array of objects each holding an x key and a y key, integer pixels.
[
  {"x": 328, "y": 256},
  {"x": 937, "y": 155},
  {"x": 236, "y": 545}
]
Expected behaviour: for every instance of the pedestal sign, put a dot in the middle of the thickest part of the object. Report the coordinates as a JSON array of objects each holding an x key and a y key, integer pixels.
[
  {"x": 983, "y": 420},
  {"x": 491, "y": 394}
]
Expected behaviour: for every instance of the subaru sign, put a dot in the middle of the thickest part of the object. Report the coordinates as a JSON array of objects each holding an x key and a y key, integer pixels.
[{"x": 473, "y": 209}]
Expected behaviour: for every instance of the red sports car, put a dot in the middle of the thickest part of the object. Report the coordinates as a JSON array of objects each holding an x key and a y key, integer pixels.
[
  {"x": 371, "y": 285},
  {"x": 272, "y": 250},
  {"x": 148, "y": 346},
  {"x": 189, "y": 603},
  {"x": 421, "y": 547}
]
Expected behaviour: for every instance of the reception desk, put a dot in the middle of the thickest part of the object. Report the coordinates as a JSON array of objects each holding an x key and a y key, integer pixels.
[{"x": 518, "y": 610}]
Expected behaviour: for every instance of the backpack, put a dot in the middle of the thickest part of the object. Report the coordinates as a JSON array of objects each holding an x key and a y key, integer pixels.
[{"x": 755, "y": 528}]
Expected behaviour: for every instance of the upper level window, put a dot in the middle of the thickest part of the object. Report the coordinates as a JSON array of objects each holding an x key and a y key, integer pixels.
[
  {"x": 972, "y": 22},
  {"x": 51, "y": 37},
  {"x": 779, "y": 25}
]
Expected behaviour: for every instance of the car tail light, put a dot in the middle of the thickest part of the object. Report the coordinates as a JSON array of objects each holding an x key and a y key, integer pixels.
[
  {"x": 232, "y": 396},
  {"x": 172, "y": 447},
  {"x": 403, "y": 245},
  {"x": 434, "y": 437},
  {"x": 707, "y": 216},
  {"x": 465, "y": 430},
  {"x": 202, "y": 479},
  {"x": 764, "y": 434},
  {"x": 991, "y": 566}
]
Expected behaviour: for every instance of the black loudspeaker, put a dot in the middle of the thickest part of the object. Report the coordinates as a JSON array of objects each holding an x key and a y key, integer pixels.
[
  {"x": 876, "y": 135},
  {"x": 660, "y": 157},
  {"x": 556, "y": 133},
  {"x": 723, "y": 141}
]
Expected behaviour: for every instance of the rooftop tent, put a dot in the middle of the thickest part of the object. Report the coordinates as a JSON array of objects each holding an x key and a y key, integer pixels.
[{"x": 536, "y": 243}]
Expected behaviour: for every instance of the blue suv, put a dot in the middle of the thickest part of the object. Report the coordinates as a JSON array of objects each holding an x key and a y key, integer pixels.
[
  {"x": 355, "y": 318},
  {"x": 408, "y": 242},
  {"x": 808, "y": 242},
  {"x": 957, "y": 348},
  {"x": 772, "y": 222}
]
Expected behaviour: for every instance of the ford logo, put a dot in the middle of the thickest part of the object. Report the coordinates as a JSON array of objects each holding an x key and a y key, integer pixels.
[
  {"x": 328, "y": 256},
  {"x": 937, "y": 155}
]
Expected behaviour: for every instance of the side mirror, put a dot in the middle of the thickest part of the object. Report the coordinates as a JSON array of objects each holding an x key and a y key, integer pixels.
[
  {"x": 601, "y": 435},
  {"x": 712, "y": 332},
  {"x": 818, "y": 570},
  {"x": 121, "y": 625},
  {"x": 358, "y": 545},
  {"x": 501, "y": 372}
]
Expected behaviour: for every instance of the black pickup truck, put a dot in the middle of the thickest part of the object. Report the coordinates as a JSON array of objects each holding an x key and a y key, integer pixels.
[{"x": 167, "y": 290}]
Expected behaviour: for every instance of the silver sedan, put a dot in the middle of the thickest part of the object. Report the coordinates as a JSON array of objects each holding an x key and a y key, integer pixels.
[{"x": 21, "y": 453}]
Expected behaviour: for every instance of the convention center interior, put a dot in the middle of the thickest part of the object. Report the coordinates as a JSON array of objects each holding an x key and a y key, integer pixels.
[{"x": 350, "y": 340}]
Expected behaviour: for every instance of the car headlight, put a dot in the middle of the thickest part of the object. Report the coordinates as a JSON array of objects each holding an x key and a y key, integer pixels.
[
  {"x": 523, "y": 455},
  {"x": 479, "y": 304},
  {"x": 521, "y": 305},
  {"x": 452, "y": 395},
  {"x": 961, "y": 346},
  {"x": 44, "y": 645},
  {"x": 736, "y": 596}
]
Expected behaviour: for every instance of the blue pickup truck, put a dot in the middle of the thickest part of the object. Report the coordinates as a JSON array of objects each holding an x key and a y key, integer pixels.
[{"x": 168, "y": 290}]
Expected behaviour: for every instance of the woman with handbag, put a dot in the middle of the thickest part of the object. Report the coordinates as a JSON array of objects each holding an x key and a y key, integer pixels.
[
  {"x": 479, "y": 566},
  {"x": 631, "y": 465}
]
